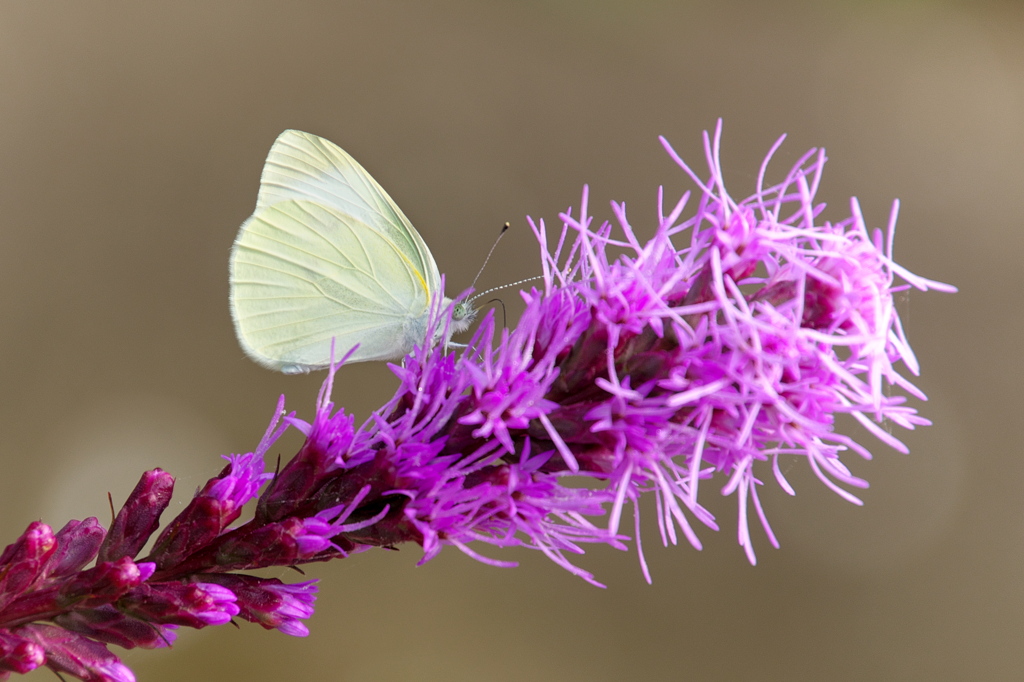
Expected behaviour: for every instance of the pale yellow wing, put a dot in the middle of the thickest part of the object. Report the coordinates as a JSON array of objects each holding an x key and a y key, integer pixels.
[{"x": 303, "y": 273}]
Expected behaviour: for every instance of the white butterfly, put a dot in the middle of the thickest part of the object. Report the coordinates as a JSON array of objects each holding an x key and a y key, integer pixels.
[{"x": 328, "y": 256}]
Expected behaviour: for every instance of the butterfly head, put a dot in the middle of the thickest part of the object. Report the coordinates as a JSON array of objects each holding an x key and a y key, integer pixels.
[{"x": 463, "y": 314}]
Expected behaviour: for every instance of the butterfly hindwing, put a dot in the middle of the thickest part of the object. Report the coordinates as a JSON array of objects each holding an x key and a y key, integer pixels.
[{"x": 303, "y": 273}]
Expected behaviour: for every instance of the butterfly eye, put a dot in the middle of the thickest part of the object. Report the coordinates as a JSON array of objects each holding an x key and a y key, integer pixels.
[{"x": 462, "y": 316}]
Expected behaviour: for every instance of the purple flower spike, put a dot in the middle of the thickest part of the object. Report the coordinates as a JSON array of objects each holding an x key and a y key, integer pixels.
[{"x": 727, "y": 341}]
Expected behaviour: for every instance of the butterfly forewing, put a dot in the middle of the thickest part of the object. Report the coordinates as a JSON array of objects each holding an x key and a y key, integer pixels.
[{"x": 304, "y": 166}]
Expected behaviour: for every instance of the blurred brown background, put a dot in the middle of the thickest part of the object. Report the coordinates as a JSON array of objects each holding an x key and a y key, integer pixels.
[{"x": 132, "y": 136}]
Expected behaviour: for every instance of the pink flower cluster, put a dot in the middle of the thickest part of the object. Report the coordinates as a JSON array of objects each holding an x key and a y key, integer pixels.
[{"x": 730, "y": 338}]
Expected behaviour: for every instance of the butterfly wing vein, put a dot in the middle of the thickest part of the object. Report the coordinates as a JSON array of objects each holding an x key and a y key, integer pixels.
[
  {"x": 290, "y": 300},
  {"x": 327, "y": 257}
]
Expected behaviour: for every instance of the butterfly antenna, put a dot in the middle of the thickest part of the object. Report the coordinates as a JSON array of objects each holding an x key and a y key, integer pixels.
[
  {"x": 501, "y": 234},
  {"x": 506, "y": 286}
]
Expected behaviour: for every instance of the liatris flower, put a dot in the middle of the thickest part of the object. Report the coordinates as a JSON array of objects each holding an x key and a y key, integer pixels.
[{"x": 730, "y": 338}]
